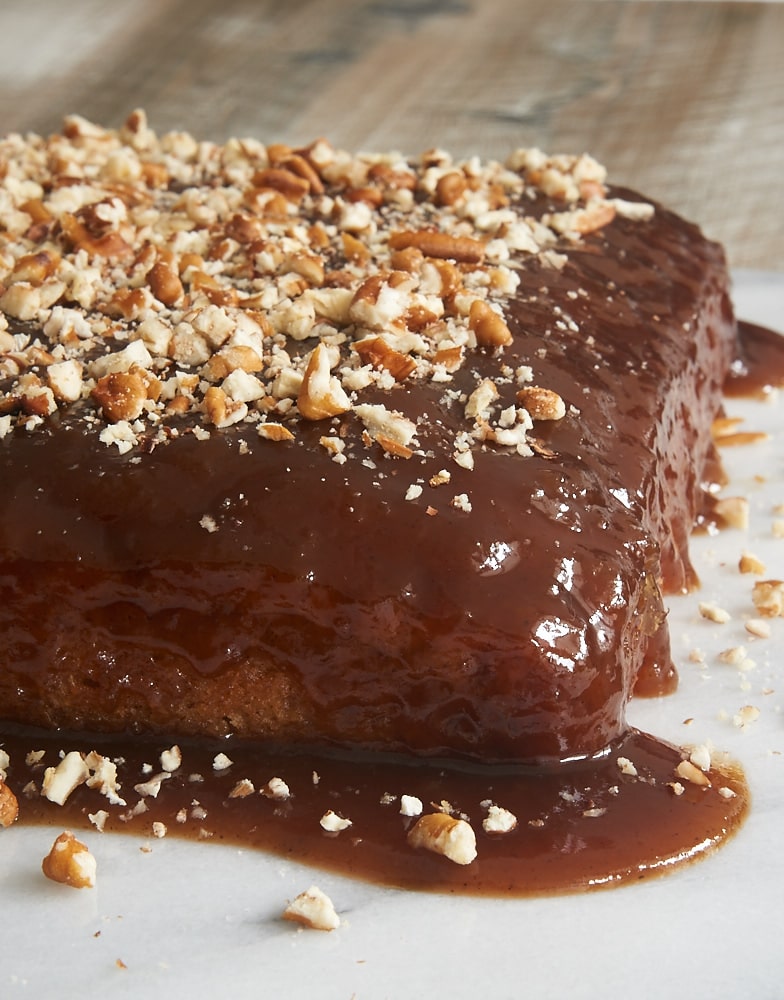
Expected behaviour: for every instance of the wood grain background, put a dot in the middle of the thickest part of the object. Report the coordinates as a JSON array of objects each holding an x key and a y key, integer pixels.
[{"x": 684, "y": 101}]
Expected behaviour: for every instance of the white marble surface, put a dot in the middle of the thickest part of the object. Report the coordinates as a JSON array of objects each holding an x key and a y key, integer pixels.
[{"x": 201, "y": 920}]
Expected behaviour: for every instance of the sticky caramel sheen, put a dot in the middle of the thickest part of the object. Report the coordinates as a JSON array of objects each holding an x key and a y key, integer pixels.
[{"x": 363, "y": 454}]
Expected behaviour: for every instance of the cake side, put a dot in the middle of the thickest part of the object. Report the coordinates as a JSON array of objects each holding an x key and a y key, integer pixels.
[{"x": 440, "y": 529}]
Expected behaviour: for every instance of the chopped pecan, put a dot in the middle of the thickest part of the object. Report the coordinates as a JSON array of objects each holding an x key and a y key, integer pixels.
[{"x": 462, "y": 249}]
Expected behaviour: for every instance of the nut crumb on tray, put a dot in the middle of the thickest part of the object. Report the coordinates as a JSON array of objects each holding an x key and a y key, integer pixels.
[
  {"x": 313, "y": 909},
  {"x": 70, "y": 862}
]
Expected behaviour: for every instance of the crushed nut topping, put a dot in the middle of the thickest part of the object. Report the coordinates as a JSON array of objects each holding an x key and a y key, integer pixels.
[{"x": 145, "y": 279}]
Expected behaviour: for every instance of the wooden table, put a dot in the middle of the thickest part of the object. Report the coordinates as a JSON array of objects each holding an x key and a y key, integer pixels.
[{"x": 684, "y": 101}]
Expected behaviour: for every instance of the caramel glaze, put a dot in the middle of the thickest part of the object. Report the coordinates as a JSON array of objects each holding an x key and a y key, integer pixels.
[
  {"x": 327, "y": 608},
  {"x": 327, "y": 612}
]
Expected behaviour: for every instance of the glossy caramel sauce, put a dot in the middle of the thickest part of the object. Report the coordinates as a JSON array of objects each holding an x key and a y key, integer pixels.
[
  {"x": 327, "y": 606},
  {"x": 120, "y": 617},
  {"x": 583, "y": 826},
  {"x": 760, "y": 367}
]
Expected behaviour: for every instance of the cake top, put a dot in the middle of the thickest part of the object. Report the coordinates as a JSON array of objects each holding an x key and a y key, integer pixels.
[{"x": 159, "y": 285}]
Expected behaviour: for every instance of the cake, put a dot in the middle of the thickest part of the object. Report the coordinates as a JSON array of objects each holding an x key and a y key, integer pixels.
[{"x": 344, "y": 451}]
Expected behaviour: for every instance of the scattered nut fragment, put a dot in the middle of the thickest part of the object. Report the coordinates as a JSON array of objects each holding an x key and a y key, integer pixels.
[
  {"x": 625, "y": 766},
  {"x": 745, "y": 716},
  {"x": 768, "y": 598},
  {"x": 749, "y": 563},
  {"x": 159, "y": 829},
  {"x": 410, "y": 805},
  {"x": 9, "y": 806},
  {"x": 70, "y": 862},
  {"x": 152, "y": 786},
  {"x": 499, "y": 820},
  {"x": 98, "y": 819},
  {"x": 221, "y": 762},
  {"x": 489, "y": 326},
  {"x": 758, "y": 627},
  {"x": 700, "y": 756},
  {"x": 690, "y": 772},
  {"x": 446, "y": 835},
  {"x": 59, "y": 782},
  {"x": 313, "y": 909},
  {"x": 243, "y": 788},
  {"x": 733, "y": 511},
  {"x": 333, "y": 823},
  {"x": 171, "y": 759},
  {"x": 712, "y": 612},
  {"x": 542, "y": 404},
  {"x": 735, "y": 655},
  {"x": 276, "y": 788}
]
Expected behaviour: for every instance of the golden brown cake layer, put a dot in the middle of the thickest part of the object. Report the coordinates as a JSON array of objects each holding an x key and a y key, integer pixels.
[{"x": 471, "y": 568}]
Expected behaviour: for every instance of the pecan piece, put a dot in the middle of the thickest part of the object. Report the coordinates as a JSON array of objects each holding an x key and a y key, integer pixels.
[
  {"x": 462, "y": 249},
  {"x": 321, "y": 394}
]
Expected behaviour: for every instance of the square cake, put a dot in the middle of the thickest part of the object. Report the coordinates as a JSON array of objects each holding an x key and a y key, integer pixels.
[{"x": 346, "y": 451}]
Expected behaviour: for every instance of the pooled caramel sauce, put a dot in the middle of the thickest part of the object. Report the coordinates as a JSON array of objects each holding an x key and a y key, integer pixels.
[
  {"x": 579, "y": 826},
  {"x": 581, "y": 823},
  {"x": 760, "y": 367}
]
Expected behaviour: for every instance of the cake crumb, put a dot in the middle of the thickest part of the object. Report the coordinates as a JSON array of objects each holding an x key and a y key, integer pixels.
[{"x": 313, "y": 909}]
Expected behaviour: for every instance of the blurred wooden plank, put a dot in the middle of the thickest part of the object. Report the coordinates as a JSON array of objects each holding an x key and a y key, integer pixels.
[{"x": 682, "y": 100}]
